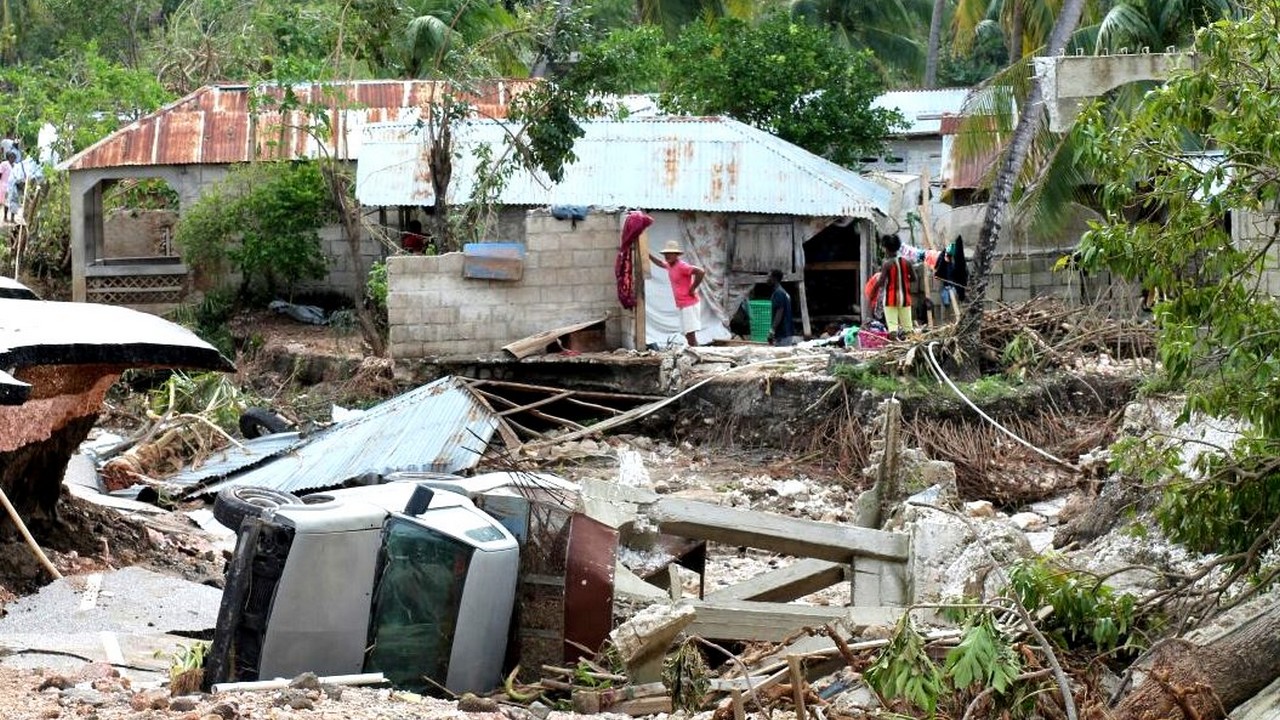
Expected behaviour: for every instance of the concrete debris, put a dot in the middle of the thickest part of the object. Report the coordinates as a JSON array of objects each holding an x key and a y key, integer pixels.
[
  {"x": 643, "y": 640},
  {"x": 980, "y": 509},
  {"x": 631, "y": 469},
  {"x": 1029, "y": 521},
  {"x": 952, "y": 557}
]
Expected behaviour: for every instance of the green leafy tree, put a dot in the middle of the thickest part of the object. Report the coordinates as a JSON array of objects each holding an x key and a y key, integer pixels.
[
  {"x": 263, "y": 222},
  {"x": 784, "y": 77},
  {"x": 84, "y": 95},
  {"x": 1218, "y": 325}
]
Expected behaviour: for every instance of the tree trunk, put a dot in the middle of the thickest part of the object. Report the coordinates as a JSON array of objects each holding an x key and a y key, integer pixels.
[
  {"x": 1002, "y": 193},
  {"x": 1017, "y": 21},
  {"x": 1204, "y": 682},
  {"x": 349, "y": 212},
  {"x": 935, "y": 44},
  {"x": 440, "y": 157}
]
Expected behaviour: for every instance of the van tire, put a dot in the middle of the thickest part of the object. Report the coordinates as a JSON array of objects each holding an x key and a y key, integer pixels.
[
  {"x": 234, "y": 504},
  {"x": 256, "y": 422}
]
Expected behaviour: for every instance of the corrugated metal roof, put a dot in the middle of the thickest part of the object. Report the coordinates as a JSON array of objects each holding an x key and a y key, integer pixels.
[
  {"x": 439, "y": 427},
  {"x": 974, "y": 171},
  {"x": 923, "y": 109},
  {"x": 216, "y": 124},
  {"x": 708, "y": 164}
]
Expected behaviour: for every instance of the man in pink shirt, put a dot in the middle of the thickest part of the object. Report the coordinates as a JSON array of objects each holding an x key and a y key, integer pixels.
[{"x": 685, "y": 279}]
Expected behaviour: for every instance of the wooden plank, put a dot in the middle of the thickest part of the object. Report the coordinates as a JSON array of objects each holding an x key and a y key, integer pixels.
[
  {"x": 834, "y": 265},
  {"x": 537, "y": 343},
  {"x": 805, "y": 326},
  {"x": 493, "y": 261},
  {"x": 781, "y": 534},
  {"x": 774, "y": 622},
  {"x": 804, "y": 576}
]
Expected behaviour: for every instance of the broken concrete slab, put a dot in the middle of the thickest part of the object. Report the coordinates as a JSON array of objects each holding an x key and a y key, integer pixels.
[
  {"x": 123, "y": 617},
  {"x": 642, "y": 641},
  {"x": 774, "y": 622},
  {"x": 130, "y": 600},
  {"x": 805, "y": 576}
]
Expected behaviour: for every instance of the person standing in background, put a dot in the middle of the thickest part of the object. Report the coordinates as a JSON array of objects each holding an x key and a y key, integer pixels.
[
  {"x": 895, "y": 282},
  {"x": 782, "y": 331},
  {"x": 685, "y": 279},
  {"x": 6, "y": 167}
]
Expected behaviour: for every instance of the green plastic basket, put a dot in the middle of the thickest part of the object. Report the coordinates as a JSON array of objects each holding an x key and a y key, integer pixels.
[{"x": 761, "y": 319}]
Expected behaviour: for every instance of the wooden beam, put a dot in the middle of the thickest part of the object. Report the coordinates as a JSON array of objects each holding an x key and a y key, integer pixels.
[
  {"x": 781, "y": 534},
  {"x": 597, "y": 394},
  {"x": 537, "y": 403},
  {"x": 775, "y": 622},
  {"x": 804, "y": 576},
  {"x": 537, "y": 343},
  {"x": 804, "y": 310}
]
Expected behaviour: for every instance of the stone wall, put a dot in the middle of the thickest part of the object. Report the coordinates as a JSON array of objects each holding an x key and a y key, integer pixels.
[{"x": 568, "y": 278}]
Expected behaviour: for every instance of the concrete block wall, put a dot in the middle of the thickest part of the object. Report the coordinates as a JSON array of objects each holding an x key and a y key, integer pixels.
[
  {"x": 568, "y": 277},
  {"x": 342, "y": 272}
]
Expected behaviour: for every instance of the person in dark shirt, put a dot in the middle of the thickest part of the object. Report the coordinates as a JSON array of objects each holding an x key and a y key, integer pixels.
[{"x": 782, "y": 330}]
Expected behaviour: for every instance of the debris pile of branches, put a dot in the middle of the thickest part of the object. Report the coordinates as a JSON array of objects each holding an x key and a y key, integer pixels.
[
  {"x": 1042, "y": 334},
  {"x": 1045, "y": 333},
  {"x": 189, "y": 418},
  {"x": 989, "y": 466},
  {"x": 995, "y": 661}
]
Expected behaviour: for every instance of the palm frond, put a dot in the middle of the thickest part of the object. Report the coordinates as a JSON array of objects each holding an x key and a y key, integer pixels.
[{"x": 1126, "y": 26}]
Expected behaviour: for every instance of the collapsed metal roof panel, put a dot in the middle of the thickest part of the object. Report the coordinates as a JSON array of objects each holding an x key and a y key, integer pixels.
[
  {"x": 708, "y": 164},
  {"x": 439, "y": 427},
  {"x": 217, "y": 124}
]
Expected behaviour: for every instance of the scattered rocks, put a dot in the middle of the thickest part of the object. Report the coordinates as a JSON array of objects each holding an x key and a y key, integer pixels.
[
  {"x": 980, "y": 509},
  {"x": 184, "y": 703},
  {"x": 471, "y": 703},
  {"x": 1029, "y": 521},
  {"x": 150, "y": 700},
  {"x": 58, "y": 682}
]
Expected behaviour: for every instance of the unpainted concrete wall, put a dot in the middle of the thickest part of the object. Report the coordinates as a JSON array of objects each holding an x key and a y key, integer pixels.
[
  {"x": 1024, "y": 265},
  {"x": 139, "y": 233},
  {"x": 568, "y": 277}
]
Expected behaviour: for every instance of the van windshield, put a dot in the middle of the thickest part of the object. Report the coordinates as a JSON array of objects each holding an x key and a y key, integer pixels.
[{"x": 415, "y": 605}]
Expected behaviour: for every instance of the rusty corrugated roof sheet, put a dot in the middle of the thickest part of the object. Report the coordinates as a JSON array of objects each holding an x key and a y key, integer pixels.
[
  {"x": 708, "y": 164},
  {"x": 217, "y": 124},
  {"x": 439, "y": 427},
  {"x": 962, "y": 171}
]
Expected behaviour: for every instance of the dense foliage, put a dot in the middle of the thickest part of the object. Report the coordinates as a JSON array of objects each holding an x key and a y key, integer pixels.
[
  {"x": 782, "y": 76},
  {"x": 1191, "y": 185},
  {"x": 262, "y": 222}
]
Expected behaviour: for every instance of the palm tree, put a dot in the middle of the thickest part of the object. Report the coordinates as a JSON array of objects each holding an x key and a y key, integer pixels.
[
  {"x": 888, "y": 28},
  {"x": 671, "y": 15},
  {"x": 1029, "y": 120},
  {"x": 935, "y": 43},
  {"x": 1052, "y": 175},
  {"x": 440, "y": 30},
  {"x": 1158, "y": 24}
]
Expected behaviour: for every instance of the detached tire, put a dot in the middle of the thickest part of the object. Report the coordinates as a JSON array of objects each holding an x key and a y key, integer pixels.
[
  {"x": 256, "y": 422},
  {"x": 234, "y": 504}
]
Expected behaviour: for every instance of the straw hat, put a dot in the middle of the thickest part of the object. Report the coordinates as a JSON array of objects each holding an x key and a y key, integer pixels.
[{"x": 672, "y": 247}]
